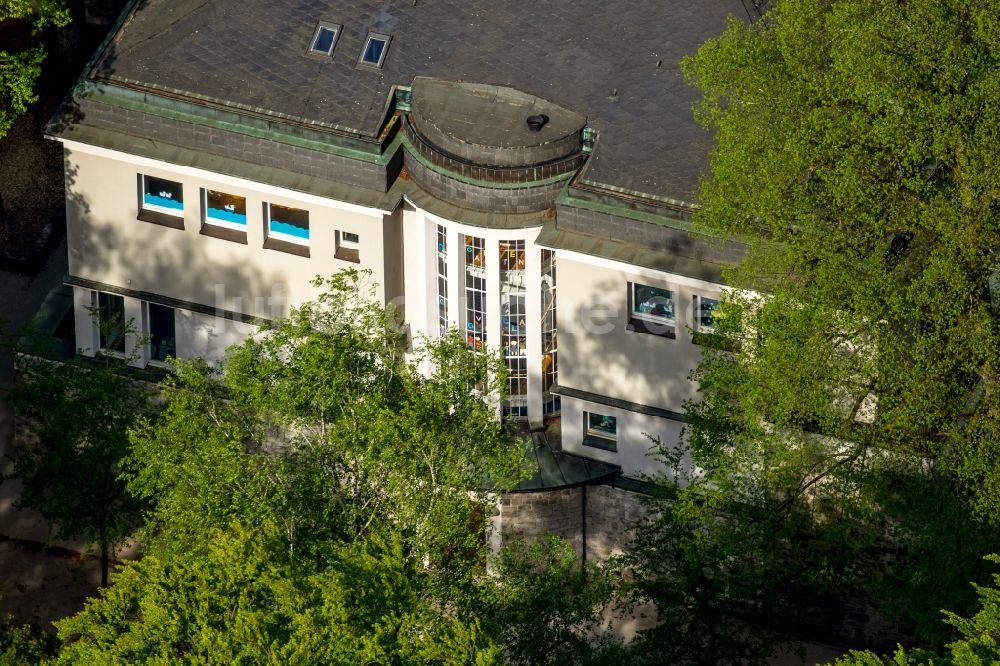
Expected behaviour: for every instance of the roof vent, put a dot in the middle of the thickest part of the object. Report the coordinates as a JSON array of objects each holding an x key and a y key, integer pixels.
[{"x": 537, "y": 122}]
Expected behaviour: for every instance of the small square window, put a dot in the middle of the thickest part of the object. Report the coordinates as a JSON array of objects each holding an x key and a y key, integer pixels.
[
  {"x": 373, "y": 54},
  {"x": 111, "y": 322},
  {"x": 162, "y": 196},
  {"x": 600, "y": 431},
  {"x": 225, "y": 210},
  {"x": 162, "y": 332},
  {"x": 651, "y": 310},
  {"x": 348, "y": 246},
  {"x": 325, "y": 38},
  {"x": 290, "y": 225}
]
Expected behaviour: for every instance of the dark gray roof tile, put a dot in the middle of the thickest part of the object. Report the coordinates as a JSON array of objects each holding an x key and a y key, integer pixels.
[{"x": 252, "y": 53}]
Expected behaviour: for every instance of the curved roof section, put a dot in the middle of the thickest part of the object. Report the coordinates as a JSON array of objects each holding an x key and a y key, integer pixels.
[
  {"x": 488, "y": 124},
  {"x": 616, "y": 62}
]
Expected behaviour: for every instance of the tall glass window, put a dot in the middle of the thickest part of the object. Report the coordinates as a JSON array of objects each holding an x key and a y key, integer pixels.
[
  {"x": 475, "y": 291},
  {"x": 550, "y": 346},
  {"x": 442, "y": 279},
  {"x": 162, "y": 333},
  {"x": 111, "y": 321},
  {"x": 513, "y": 325}
]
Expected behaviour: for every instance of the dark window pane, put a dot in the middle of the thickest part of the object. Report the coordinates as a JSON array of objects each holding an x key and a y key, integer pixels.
[
  {"x": 162, "y": 194},
  {"x": 653, "y": 302},
  {"x": 599, "y": 424},
  {"x": 111, "y": 311},
  {"x": 373, "y": 51},
  {"x": 324, "y": 40},
  {"x": 162, "y": 337},
  {"x": 706, "y": 306}
]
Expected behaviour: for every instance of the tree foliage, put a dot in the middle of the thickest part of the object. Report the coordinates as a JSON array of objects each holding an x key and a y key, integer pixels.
[
  {"x": 858, "y": 155},
  {"x": 24, "y": 644},
  {"x": 322, "y": 425},
  {"x": 322, "y": 498},
  {"x": 20, "y": 64},
  {"x": 543, "y": 607},
  {"x": 247, "y": 600},
  {"x": 78, "y": 415},
  {"x": 849, "y": 404},
  {"x": 978, "y": 645}
]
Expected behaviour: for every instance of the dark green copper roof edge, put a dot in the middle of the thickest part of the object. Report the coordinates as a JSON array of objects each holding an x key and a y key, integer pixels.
[
  {"x": 229, "y": 121},
  {"x": 412, "y": 152}
]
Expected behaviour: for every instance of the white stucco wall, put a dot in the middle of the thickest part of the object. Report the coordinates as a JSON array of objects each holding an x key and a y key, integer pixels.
[
  {"x": 598, "y": 354},
  {"x": 107, "y": 242},
  {"x": 208, "y": 337},
  {"x": 634, "y": 443}
]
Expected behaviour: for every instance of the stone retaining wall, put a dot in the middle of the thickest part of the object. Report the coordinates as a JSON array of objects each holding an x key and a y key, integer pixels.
[{"x": 610, "y": 513}]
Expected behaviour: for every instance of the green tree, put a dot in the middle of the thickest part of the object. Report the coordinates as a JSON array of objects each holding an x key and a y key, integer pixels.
[
  {"x": 857, "y": 358},
  {"x": 23, "y": 644},
  {"x": 320, "y": 500},
  {"x": 21, "y": 63},
  {"x": 324, "y": 425},
  {"x": 857, "y": 154},
  {"x": 717, "y": 567},
  {"x": 543, "y": 607},
  {"x": 78, "y": 416},
  {"x": 246, "y": 599},
  {"x": 978, "y": 645}
]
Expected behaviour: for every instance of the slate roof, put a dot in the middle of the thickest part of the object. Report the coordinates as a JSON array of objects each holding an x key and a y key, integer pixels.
[{"x": 598, "y": 57}]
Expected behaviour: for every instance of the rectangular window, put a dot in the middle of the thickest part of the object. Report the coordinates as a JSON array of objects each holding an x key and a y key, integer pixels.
[
  {"x": 442, "y": 279},
  {"x": 373, "y": 54},
  {"x": 513, "y": 326},
  {"x": 111, "y": 322},
  {"x": 704, "y": 307},
  {"x": 475, "y": 291},
  {"x": 600, "y": 431},
  {"x": 225, "y": 210},
  {"x": 162, "y": 196},
  {"x": 325, "y": 38},
  {"x": 651, "y": 310},
  {"x": 347, "y": 246},
  {"x": 290, "y": 225},
  {"x": 162, "y": 332},
  {"x": 550, "y": 345}
]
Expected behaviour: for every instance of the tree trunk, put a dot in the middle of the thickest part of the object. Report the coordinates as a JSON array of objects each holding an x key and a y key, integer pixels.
[{"x": 105, "y": 562}]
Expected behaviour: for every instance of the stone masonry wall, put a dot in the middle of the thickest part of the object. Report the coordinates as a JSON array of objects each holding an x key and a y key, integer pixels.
[
  {"x": 530, "y": 516},
  {"x": 610, "y": 514}
]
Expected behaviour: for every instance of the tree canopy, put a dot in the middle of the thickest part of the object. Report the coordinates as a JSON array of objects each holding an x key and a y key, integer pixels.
[
  {"x": 858, "y": 154},
  {"x": 323, "y": 498},
  {"x": 70, "y": 463},
  {"x": 22, "y": 53},
  {"x": 848, "y": 404}
]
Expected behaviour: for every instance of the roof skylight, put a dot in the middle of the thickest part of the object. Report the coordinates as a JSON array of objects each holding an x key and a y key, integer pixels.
[
  {"x": 325, "y": 38},
  {"x": 373, "y": 54}
]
